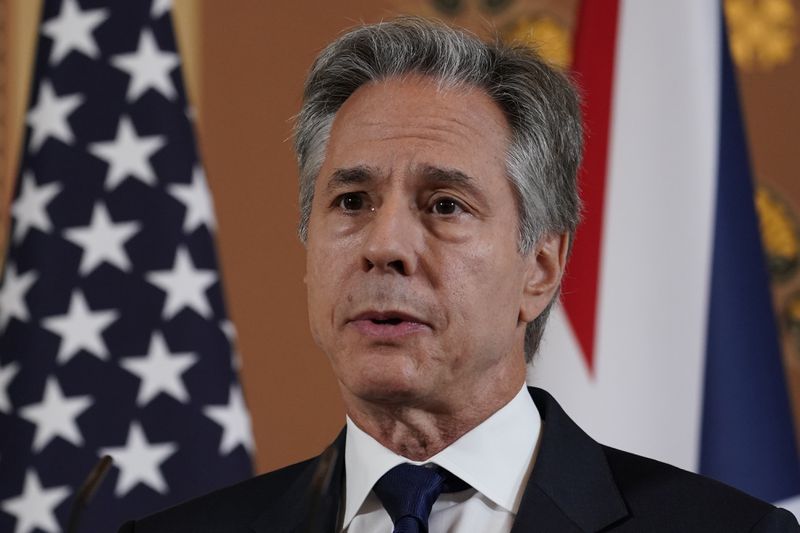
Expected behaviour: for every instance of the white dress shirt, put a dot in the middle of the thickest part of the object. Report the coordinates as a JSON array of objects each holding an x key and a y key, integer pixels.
[{"x": 495, "y": 458}]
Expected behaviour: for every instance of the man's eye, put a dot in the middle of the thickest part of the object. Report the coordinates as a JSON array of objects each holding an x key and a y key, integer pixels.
[
  {"x": 446, "y": 206},
  {"x": 351, "y": 201}
]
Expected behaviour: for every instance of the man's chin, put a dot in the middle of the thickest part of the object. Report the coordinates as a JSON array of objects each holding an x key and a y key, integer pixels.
[
  {"x": 383, "y": 374},
  {"x": 386, "y": 391}
]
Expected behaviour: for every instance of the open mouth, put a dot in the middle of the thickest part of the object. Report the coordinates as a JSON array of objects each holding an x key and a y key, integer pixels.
[
  {"x": 388, "y": 324},
  {"x": 387, "y": 321}
]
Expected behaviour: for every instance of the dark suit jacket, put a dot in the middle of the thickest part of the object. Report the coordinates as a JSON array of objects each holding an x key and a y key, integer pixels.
[{"x": 576, "y": 485}]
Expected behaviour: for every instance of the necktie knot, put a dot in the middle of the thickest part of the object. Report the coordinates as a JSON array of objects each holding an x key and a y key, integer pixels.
[{"x": 408, "y": 492}]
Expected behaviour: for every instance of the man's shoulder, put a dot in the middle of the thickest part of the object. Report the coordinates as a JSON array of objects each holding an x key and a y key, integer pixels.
[
  {"x": 230, "y": 509},
  {"x": 660, "y": 493},
  {"x": 600, "y": 487}
]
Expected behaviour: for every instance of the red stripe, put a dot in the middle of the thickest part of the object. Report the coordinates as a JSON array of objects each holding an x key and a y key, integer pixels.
[{"x": 595, "y": 44}]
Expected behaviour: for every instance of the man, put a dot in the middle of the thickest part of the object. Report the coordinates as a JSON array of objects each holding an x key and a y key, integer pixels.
[{"x": 438, "y": 203}]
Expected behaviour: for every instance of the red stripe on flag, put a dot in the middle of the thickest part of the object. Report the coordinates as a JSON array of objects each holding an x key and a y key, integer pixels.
[{"x": 595, "y": 44}]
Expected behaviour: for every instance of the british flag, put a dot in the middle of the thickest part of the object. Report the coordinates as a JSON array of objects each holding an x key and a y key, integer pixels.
[{"x": 666, "y": 343}]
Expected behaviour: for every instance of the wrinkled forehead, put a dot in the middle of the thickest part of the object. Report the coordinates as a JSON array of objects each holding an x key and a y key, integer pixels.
[
  {"x": 429, "y": 91},
  {"x": 418, "y": 113}
]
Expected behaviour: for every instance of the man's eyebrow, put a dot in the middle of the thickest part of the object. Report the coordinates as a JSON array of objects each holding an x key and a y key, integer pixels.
[
  {"x": 446, "y": 176},
  {"x": 432, "y": 174},
  {"x": 348, "y": 176},
  {"x": 451, "y": 176}
]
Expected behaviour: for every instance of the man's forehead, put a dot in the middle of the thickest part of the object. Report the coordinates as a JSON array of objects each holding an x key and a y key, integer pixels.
[
  {"x": 439, "y": 86},
  {"x": 400, "y": 100},
  {"x": 413, "y": 114}
]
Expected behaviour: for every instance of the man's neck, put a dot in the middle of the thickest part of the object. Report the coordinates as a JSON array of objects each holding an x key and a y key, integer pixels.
[{"x": 421, "y": 430}]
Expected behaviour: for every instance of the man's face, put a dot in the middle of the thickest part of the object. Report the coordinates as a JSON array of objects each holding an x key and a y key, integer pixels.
[{"x": 416, "y": 289}]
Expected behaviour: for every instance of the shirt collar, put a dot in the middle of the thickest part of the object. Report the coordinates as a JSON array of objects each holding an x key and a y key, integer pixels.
[{"x": 488, "y": 457}]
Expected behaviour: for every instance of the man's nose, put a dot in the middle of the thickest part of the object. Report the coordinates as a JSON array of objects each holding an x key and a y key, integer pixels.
[{"x": 393, "y": 239}]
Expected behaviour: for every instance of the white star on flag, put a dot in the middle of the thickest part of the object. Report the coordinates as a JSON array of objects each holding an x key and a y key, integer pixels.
[
  {"x": 160, "y": 371},
  {"x": 7, "y": 374},
  {"x": 30, "y": 208},
  {"x": 185, "y": 285},
  {"x": 235, "y": 422},
  {"x": 128, "y": 154},
  {"x": 55, "y": 416},
  {"x": 197, "y": 200},
  {"x": 49, "y": 117},
  {"x": 12, "y": 295},
  {"x": 72, "y": 30},
  {"x": 149, "y": 67},
  {"x": 80, "y": 328},
  {"x": 139, "y": 461},
  {"x": 103, "y": 240},
  {"x": 36, "y": 506}
]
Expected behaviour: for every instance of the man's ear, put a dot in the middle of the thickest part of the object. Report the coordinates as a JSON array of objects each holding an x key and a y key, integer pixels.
[{"x": 546, "y": 262}]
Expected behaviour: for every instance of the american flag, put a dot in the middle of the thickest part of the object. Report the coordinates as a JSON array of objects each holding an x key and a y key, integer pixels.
[{"x": 114, "y": 337}]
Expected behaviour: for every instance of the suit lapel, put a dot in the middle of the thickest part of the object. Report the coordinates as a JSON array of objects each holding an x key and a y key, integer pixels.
[
  {"x": 571, "y": 487},
  {"x": 303, "y": 509}
]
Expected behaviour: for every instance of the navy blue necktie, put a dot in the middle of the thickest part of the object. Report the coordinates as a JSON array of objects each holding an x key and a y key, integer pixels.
[{"x": 407, "y": 492}]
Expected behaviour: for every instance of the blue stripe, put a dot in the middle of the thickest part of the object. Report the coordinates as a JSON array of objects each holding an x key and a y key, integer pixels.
[{"x": 747, "y": 433}]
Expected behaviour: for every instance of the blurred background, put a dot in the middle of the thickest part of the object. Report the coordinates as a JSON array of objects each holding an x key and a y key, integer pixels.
[{"x": 244, "y": 62}]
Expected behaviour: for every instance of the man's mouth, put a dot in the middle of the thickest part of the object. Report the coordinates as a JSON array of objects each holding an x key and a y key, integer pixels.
[
  {"x": 387, "y": 324},
  {"x": 390, "y": 321}
]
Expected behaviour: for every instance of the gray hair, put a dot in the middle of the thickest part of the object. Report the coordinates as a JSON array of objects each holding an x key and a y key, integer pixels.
[{"x": 540, "y": 104}]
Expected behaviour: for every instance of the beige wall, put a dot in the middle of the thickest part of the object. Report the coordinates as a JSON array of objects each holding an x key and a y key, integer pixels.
[
  {"x": 768, "y": 46},
  {"x": 18, "y": 19}
]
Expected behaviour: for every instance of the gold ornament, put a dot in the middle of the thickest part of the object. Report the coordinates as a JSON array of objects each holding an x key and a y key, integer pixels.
[
  {"x": 778, "y": 233},
  {"x": 762, "y": 32},
  {"x": 546, "y": 34}
]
